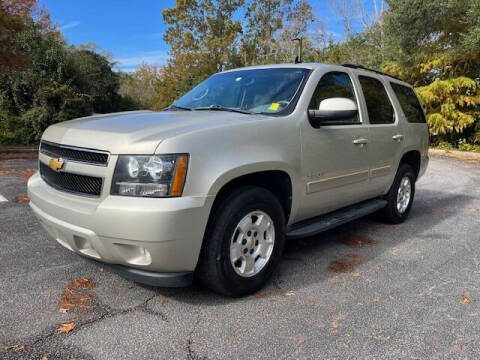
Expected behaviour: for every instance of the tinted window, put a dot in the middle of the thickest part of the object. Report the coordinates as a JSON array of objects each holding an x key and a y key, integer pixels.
[
  {"x": 331, "y": 85},
  {"x": 409, "y": 102},
  {"x": 379, "y": 107}
]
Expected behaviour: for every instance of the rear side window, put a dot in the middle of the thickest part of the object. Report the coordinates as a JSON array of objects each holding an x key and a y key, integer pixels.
[
  {"x": 379, "y": 107},
  {"x": 409, "y": 102},
  {"x": 332, "y": 85}
]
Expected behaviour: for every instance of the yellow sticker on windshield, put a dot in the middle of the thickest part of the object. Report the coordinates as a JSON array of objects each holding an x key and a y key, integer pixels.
[{"x": 274, "y": 106}]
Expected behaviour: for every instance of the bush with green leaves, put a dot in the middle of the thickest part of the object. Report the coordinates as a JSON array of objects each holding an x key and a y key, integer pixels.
[
  {"x": 55, "y": 83},
  {"x": 453, "y": 108}
]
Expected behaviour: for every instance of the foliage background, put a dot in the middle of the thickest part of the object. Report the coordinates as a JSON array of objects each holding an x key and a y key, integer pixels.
[
  {"x": 43, "y": 80},
  {"x": 432, "y": 44}
]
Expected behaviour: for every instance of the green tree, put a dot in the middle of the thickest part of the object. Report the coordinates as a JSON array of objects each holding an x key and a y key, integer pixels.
[
  {"x": 440, "y": 54},
  {"x": 263, "y": 20},
  {"x": 435, "y": 28},
  {"x": 51, "y": 82},
  {"x": 141, "y": 86},
  {"x": 14, "y": 16},
  {"x": 203, "y": 37},
  {"x": 453, "y": 108},
  {"x": 94, "y": 76}
]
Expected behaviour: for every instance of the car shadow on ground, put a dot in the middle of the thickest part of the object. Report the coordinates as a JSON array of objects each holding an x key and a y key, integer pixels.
[{"x": 316, "y": 259}]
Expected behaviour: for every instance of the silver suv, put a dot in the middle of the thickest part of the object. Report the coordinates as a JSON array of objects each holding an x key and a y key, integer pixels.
[{"x": 214, "y": 185}]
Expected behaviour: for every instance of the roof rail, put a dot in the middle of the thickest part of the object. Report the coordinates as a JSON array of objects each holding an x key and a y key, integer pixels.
[{"x": 359, "y": 66}]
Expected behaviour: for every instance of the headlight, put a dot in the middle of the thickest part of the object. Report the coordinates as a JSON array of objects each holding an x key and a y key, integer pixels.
[{"x": 150, "y": 176}]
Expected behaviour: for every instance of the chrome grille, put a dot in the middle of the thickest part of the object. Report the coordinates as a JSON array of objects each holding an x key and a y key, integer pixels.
[
  {"x": 73, "y": 183},
  {"x": 83, "y": 155}
]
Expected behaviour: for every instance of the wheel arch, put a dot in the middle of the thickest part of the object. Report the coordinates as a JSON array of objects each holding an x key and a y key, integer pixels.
[
  {"x": 277, "y": 181},
  {"x": 412, "y": 158}
]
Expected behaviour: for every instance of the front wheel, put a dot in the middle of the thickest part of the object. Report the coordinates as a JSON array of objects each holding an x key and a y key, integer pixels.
[
  {"x": 243, "y": 243},
  {"x": 400, "y": 196}
]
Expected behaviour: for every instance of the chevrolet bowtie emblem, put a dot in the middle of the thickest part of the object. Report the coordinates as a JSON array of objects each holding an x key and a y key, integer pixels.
[{"x": 56, "y": 164}]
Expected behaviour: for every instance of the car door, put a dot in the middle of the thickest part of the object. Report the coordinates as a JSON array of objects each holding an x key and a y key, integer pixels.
[
  {"x": 335, "y": 165},
  {"x": 386, "y": 132}
]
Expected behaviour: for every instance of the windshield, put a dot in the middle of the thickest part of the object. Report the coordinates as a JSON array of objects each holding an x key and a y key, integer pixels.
[{"x": 257, "y": 91}]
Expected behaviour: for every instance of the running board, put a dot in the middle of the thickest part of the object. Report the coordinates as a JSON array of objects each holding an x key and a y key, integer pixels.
[{"x": 328, "y": 221}]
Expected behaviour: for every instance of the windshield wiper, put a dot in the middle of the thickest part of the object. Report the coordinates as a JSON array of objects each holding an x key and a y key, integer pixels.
[
  {"x": 223, "y": 108},
  {"x": 177, "y": 107}
]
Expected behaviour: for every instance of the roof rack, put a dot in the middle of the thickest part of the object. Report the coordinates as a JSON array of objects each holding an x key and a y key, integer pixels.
[{"x": 359, "y": 66}]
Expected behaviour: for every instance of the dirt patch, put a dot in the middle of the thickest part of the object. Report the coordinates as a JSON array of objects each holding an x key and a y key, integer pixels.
[
  {"x": 21, "y": 199},
  {"x": 77, "y": 297},
  {"x": 346, "y": 264},
  {"x": 356, "y": 240},
  {"x": 23, "y": 174}
]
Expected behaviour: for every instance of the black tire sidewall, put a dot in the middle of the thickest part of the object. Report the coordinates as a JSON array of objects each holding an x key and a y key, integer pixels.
[
  {"x": 237, "y": 206},
  {"x": 393, "y": 214}
]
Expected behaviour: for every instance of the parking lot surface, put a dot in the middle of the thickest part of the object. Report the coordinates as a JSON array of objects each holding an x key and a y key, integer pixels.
[{"x": 366, "y": 290}]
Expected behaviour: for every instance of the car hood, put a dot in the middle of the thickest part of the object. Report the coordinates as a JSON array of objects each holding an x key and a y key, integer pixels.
[{"x": 138, "y": 132}]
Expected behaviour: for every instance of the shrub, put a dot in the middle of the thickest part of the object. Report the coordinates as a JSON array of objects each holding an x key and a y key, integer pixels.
[{"x": 453, "y": 109}]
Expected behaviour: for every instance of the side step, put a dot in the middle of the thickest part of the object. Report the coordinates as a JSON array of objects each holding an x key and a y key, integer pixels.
[{"x": 328, "y": 221}]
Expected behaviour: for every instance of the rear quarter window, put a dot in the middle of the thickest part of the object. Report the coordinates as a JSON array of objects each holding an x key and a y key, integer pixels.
[
  {"x": 409, "y": 102},
  {"x": 379, "y": 107}
]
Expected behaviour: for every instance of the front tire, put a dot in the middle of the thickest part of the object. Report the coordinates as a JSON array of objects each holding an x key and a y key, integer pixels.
[
  {"x": 401, "y": 194},
  {"x": 243, "y": 243}
]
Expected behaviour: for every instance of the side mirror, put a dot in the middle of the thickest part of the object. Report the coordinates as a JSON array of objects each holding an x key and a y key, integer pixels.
[{"x": 333, "y": 111}]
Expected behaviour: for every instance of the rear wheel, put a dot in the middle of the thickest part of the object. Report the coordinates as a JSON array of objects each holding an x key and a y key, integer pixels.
[
  {"x": 243, "y": 243},
  {"x": 400, "y": 196}
]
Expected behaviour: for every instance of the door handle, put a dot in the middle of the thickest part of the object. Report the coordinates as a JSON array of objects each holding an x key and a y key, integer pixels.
[
  {"x": 398, "y": 137},
  {"x": 360, "y": 141}
]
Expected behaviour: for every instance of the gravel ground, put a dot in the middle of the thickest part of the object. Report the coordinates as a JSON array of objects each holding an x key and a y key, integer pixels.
[{"x": 366, "y": 290}]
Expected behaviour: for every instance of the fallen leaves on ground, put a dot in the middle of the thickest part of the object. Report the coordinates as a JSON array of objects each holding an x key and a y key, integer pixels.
[
  {"x": 27, "y": 174},
  {"x": 18, "y": 155},
  {"x": 345, "y": 264},
  {"x": 73, "y": 302},
  {"x": 461, "y": 155},
  {"x": 286, "y": 292},
  {"x": 15, "y": 347},
  {"x": 316, "y": 301},
  {"x": 22, "y": 199},
  {"x": 466, "y": 300},
  {"x": 335, "y": 323},
  {"x": 82, "y": 282},
  {"x": 356, "y": 240},
  {"x": 23, "y": 174},
  {"x": 76, "y": 297},
  {"x": 259, "y": 295},
  {"x": 66, "y": 328}
]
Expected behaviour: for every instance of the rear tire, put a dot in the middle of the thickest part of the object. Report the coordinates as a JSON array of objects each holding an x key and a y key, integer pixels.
[
  {"x": 243, "y": 243},
  {"x": 401, "y": 194}
]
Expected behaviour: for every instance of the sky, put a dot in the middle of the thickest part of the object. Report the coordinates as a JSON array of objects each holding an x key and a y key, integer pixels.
[{"x": 132, "y": 30}]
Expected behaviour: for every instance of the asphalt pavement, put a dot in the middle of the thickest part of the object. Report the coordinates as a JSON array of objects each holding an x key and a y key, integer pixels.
[{"x": 366, "y": 290}]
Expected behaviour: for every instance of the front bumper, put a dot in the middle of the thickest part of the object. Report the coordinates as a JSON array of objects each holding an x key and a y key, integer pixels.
[
  {"x": 150, "y": 235},
  {"x": 151, "y": 278}
]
